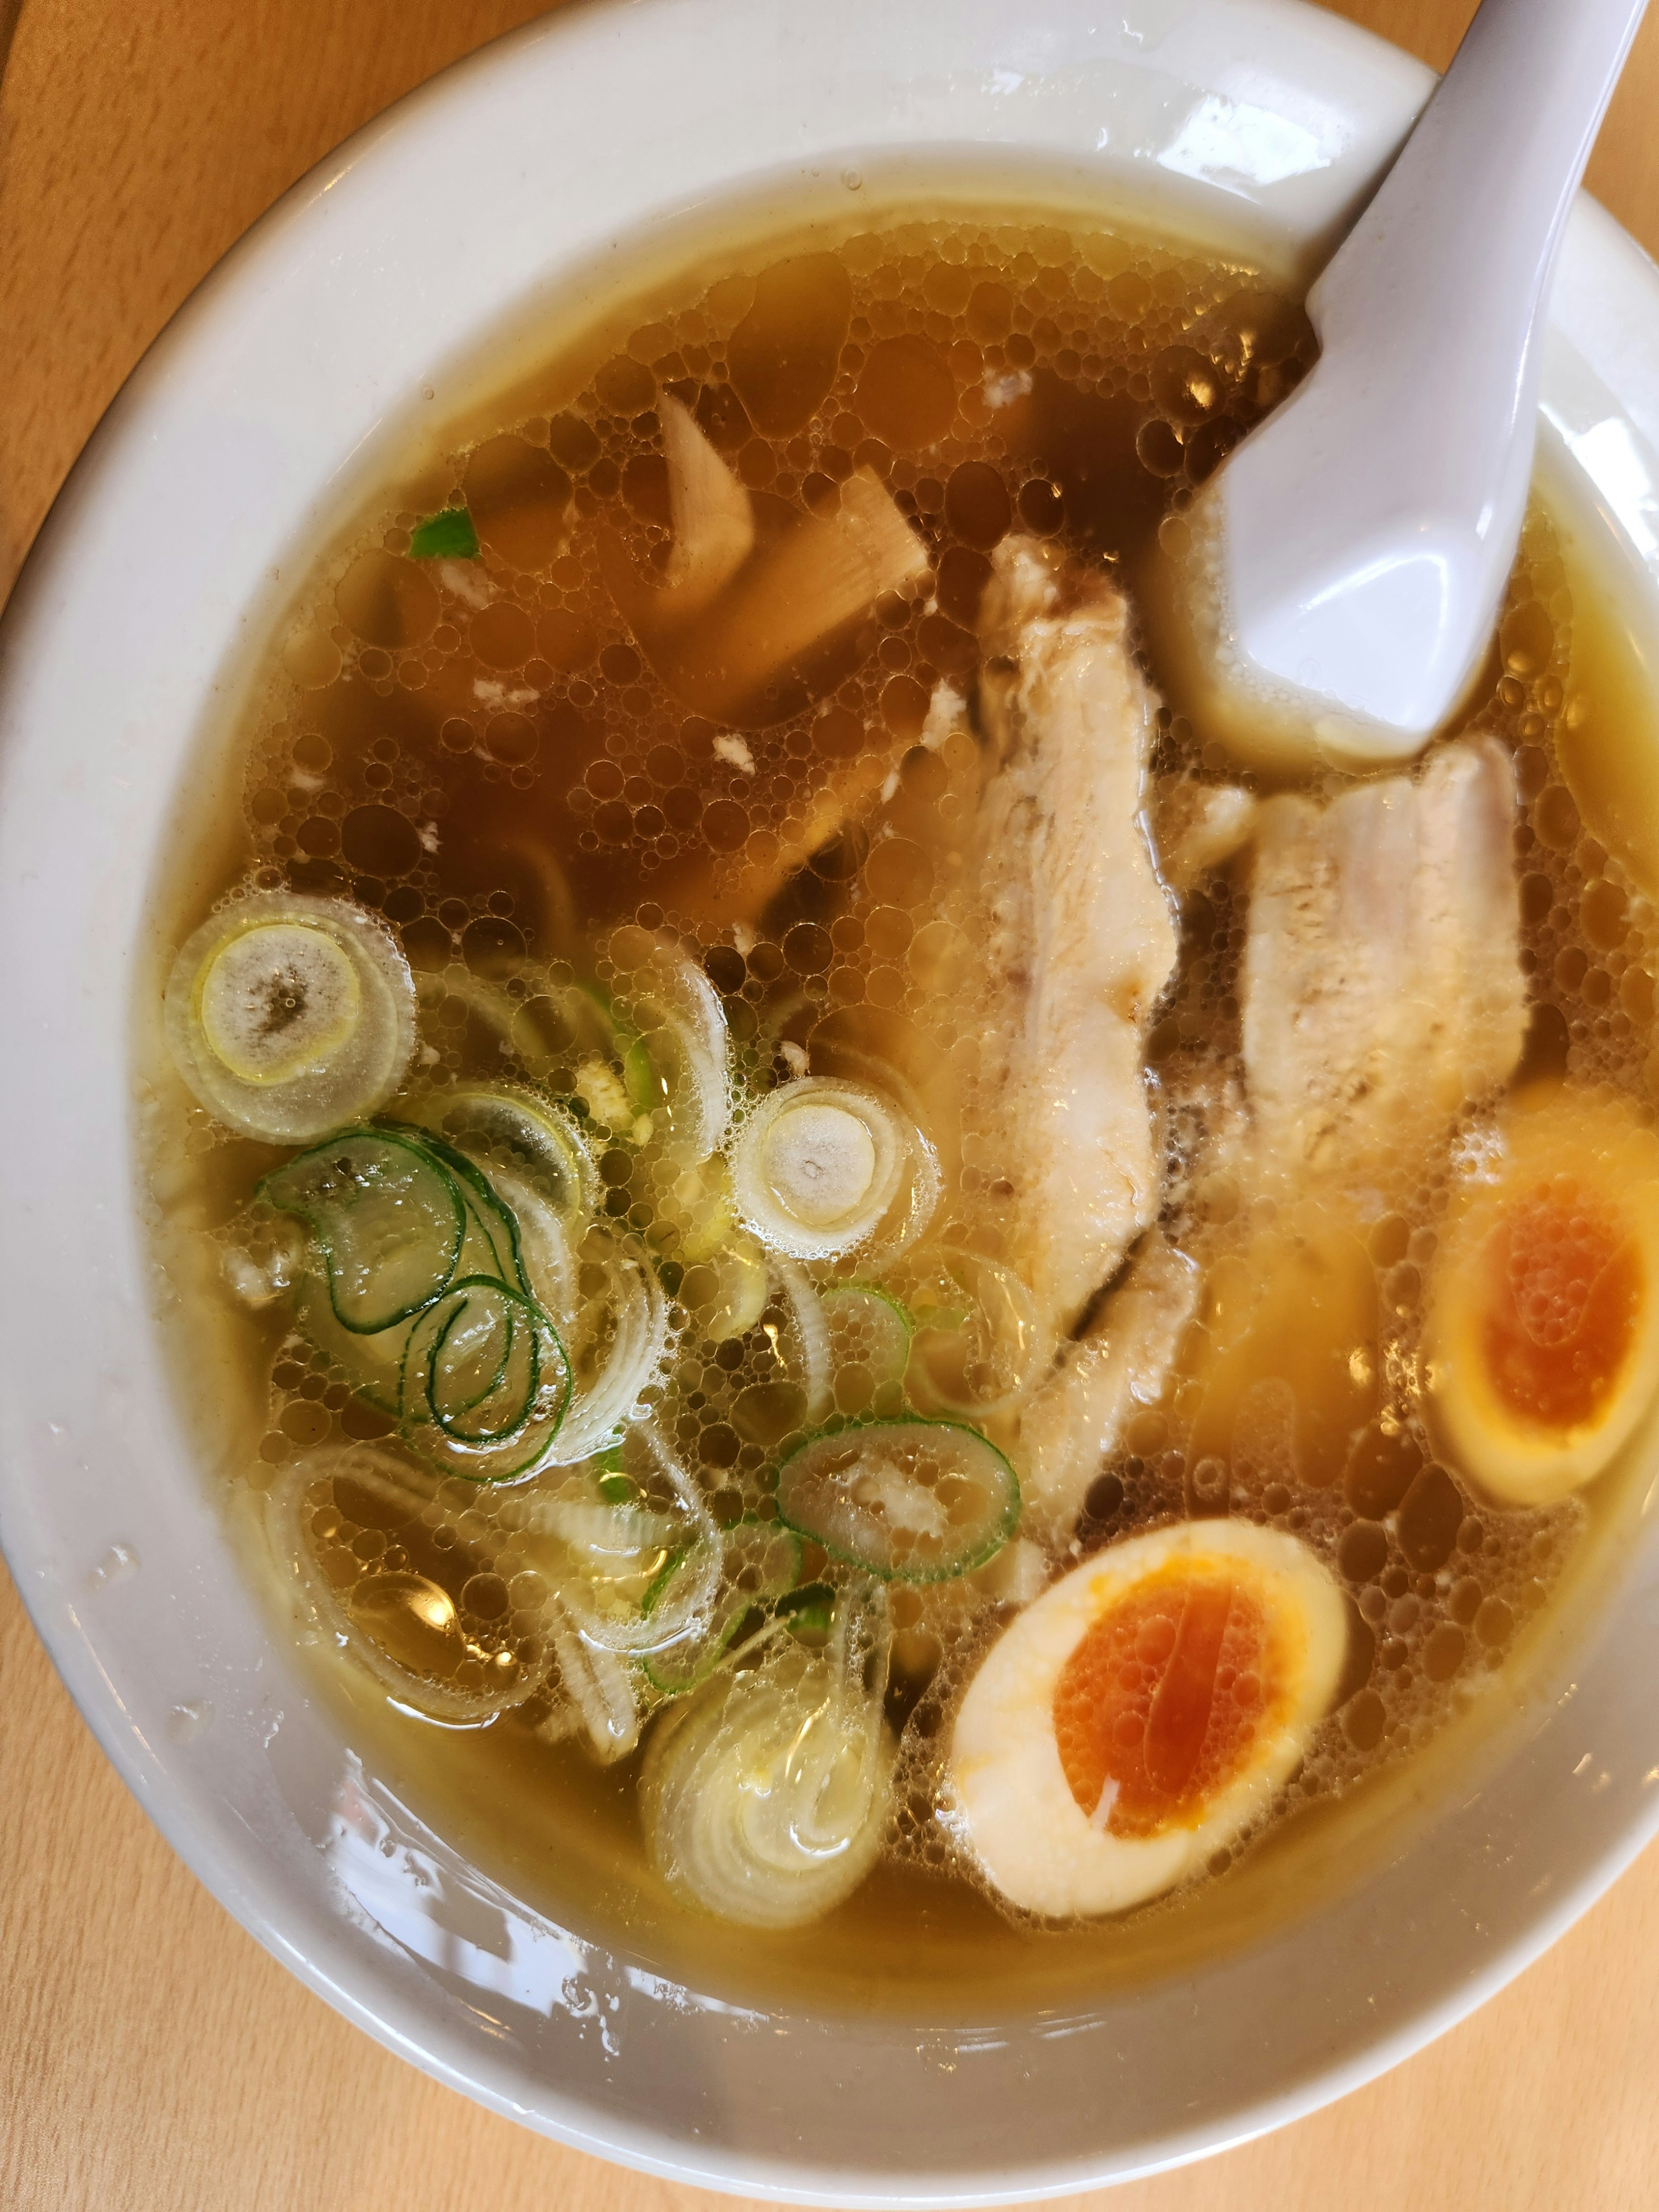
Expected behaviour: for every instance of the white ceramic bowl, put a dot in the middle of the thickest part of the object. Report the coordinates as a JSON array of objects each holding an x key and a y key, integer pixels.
[{"x": 268, "y": 404}]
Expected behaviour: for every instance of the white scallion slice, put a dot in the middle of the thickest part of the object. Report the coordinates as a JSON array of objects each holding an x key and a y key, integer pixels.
[
  {"x": 277, "y": 999},
  {"x": 606, "y": 1532},
  {"x": 601, "y": 1687},
  {"x": 404, "y": 1607},
  {"x": 814, "y": 1354},
  {"x": 372, "y": 1363},
  {"x": 821, "y": 1166},
  {"x": 508, "y": 1126},
  {"x": 909, "y": 1500},
  {"x": 909, "y": 1216},
  {"x": 680, "y": 1578},
  {"x": 978, "y": 1346},
  {"x": 545, "y": 1261},
  {"x": 726, "y": 1294},
  {"x": 760, "y": 1560},
  {"x": 869, "y": 1329},
  {"x": 617, "y": 1346},
  {"x": 490, "y": 1245},
  {"x": 677, "y": 1062},
  {"x": 288, "y": 1015},
  {"x": 765, "y": 1795}
]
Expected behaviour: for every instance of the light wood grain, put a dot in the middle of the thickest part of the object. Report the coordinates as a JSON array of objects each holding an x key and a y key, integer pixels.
[{"x": 152, "y": 2058}]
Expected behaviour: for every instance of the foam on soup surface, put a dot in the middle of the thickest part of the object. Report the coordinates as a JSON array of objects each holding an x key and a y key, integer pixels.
[{"x": 781, "y": 1103}]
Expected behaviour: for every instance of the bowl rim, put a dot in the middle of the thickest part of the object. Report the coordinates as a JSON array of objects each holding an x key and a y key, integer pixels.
[{"x": 1603, "y": 364}]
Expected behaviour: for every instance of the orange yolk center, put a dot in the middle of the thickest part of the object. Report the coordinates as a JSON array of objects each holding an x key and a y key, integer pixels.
[
  {"x": 1164, "y": 1700},
  {"x": 1564, "y": 1287}
]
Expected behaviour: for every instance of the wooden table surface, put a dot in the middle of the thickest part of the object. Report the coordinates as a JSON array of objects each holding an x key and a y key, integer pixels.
[{"x": 153, "y": 2058}]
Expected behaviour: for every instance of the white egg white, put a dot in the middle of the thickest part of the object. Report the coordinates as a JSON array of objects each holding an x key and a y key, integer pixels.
[
  {"x": 1601, "y": 1146},
  {"x": 1013, "y": 1805}
]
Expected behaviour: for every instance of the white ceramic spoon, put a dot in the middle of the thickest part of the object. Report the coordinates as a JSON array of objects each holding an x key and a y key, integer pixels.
[{"x": 1347, "y": 563}]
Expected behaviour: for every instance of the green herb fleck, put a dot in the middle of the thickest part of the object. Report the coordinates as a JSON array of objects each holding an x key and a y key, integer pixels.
[
  {"x": 447, "y": 536},
  {"x": 811, "y": 1609}
]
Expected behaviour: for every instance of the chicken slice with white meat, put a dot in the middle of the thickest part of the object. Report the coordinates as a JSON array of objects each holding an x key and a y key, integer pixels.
[
  {"x": 1120, "y": 1364},
  {"x": 1381, "y": 986},
  {"x": 1080, "y": 939}
]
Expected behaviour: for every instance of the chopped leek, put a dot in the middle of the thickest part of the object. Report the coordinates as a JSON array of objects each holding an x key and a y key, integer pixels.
[
  {"x": 869, "y": 1329},
  {"x": 617, "y": 1344},
  {"x": 810, "y": 1610},
  {"x": 387, "y": 1217},
  {"x": 726, "y": 1294},
  {"x": 821, "y": 1166},
  {"x": 675, "y": 1050},
  {"x": 760, "y": 1562},
  {"x": 909, "y": 1500},
  {"x": 978, "y": 1346},
  {"x": 288, "y": 1015},
  {"x": 510, "y": 1126},
  {"x": 601, "y": 1687},
  {"x": 485, "y": 1381},
  {"x": 642, "y": 1597},
  {"x": 814, "y": 1357},
  {"x": 765, "y": 1795}
]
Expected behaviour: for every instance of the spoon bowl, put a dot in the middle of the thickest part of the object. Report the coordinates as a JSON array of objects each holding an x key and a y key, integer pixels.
[{"x": 1336, "y": 595}]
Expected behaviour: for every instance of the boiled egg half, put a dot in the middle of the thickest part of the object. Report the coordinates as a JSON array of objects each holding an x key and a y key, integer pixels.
[
  {"x": 1142, "y": 1712},
  {"x": 1541, "y": 1339}
]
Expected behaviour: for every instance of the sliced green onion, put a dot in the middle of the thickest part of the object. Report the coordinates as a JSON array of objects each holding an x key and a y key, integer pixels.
[
  {"x": 448, "y": 535},
  {"x": 510, "y": 1126},
  {"x": 373, "y": 1363},
  {"x": 760, "y": 1561},
  {"x": 814, "y": 1360},
  {"x": 288, "y": 1015},
  {"x": 978, "y": 1348},
  {"x": 765, "y": 1795},
  {"x": 616, "y": 1528},
  {"x": 869, "y": 1329},
  {"x": 485, "y": 1381},
  {"x": 387, "y": 1216},
  {"x": 642, "y": 1083},
  {"x": 491, "y": 1243},
  {"x": 677, "y": 1056},
  {"x": 671, "y": 1593},
  {"x": 658, "y": 1582},
  {"x": 726, "y": 1293},
  {"x": 545, "y": 1260},
  {"x": 909, "y": 1500},
  {"x": 822, "y": 1166},
  {"x": 618, "y": 1346},
  {"x": 600, "y": 1685},
  {"x": 809, "y": 1610}
]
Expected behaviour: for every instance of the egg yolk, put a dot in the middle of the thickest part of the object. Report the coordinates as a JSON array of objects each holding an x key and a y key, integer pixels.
[
  {"x": 1564, "y": 1286},
  {"x": 1163, "y": 1699}
]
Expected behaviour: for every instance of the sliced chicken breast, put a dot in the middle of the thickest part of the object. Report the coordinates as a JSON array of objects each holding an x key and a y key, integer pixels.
[
  {"x": 1120, "y": 1364},
  {"x": 1080, "y": 941},
  {"x": 1381, "y": 986}
]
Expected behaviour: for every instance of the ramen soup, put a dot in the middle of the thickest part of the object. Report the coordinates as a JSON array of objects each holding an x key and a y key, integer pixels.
[{"x": 855, "y": 1289}]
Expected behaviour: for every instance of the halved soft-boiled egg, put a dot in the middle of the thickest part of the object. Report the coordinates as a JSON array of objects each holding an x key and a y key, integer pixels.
[
  {"x": 1142, "y": 1712},
  {"x": 1541, "y": 1339}
]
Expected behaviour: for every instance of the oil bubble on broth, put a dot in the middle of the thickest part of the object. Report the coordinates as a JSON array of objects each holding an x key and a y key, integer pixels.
[{"x": 650, "y": 1387}]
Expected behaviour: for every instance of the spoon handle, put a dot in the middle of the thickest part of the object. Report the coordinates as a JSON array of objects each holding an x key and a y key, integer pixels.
[
  {"x": 1463, "y": 232},
  {"x": 1371, "y": 523}
]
